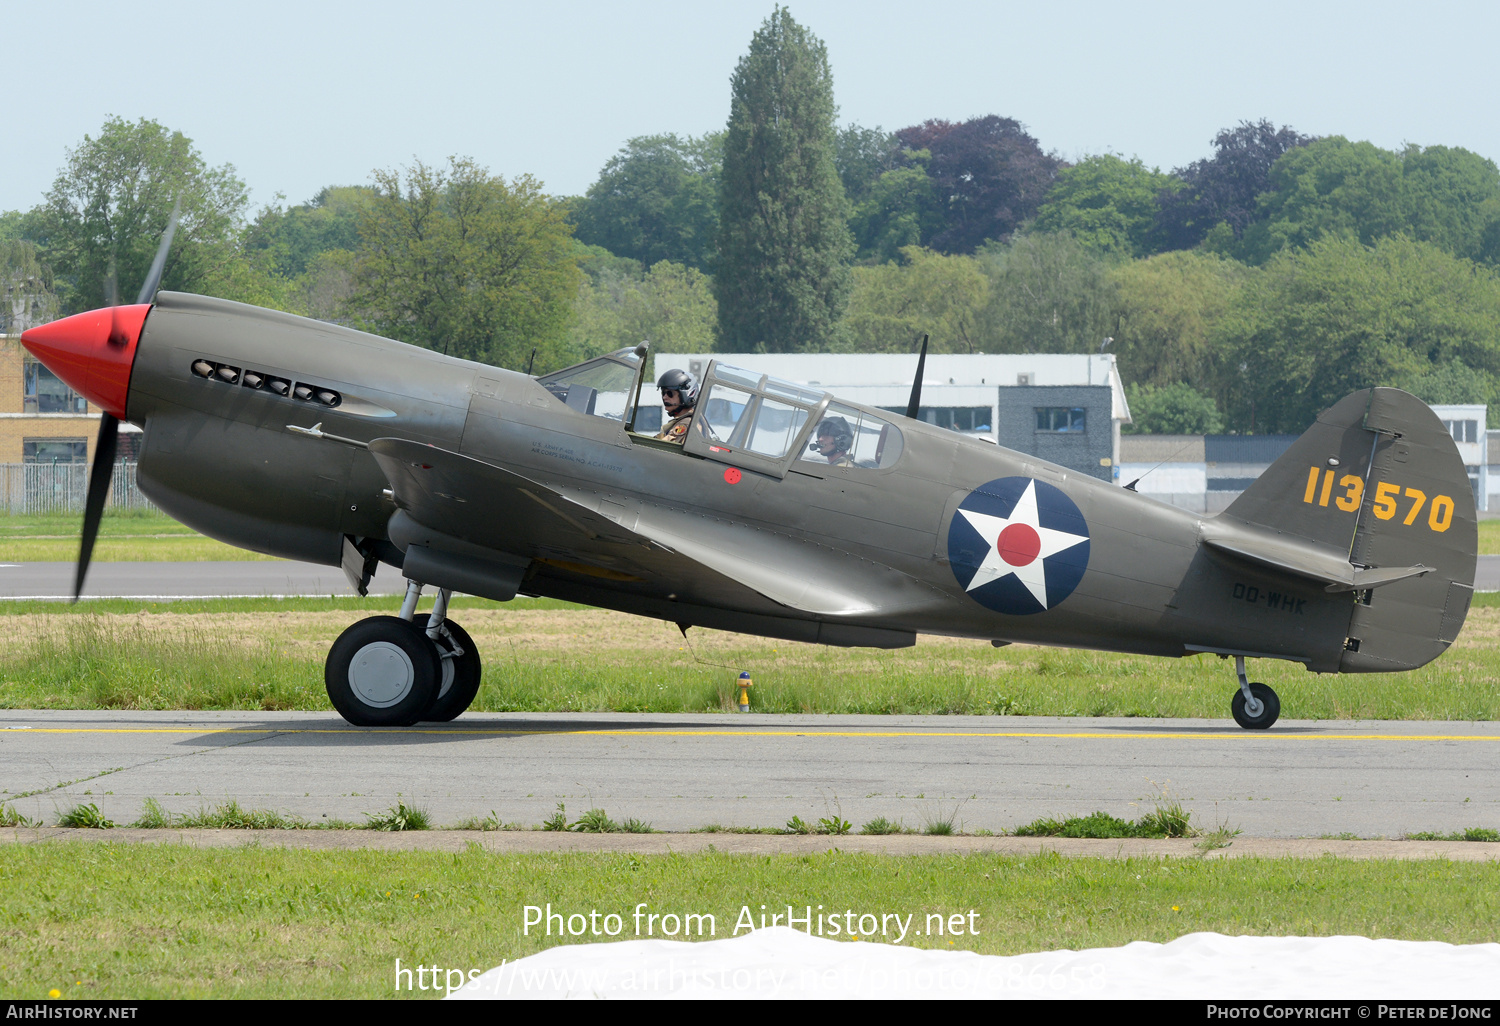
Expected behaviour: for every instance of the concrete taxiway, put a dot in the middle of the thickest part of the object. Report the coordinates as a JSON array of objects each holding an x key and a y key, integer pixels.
[{"x": 1301, "y": 779}]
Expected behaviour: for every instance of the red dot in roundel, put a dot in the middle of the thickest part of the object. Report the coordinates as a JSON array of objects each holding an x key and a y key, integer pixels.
[
  {"x": 733, "y": 475},
  {"x": 1019, "y": 544}
]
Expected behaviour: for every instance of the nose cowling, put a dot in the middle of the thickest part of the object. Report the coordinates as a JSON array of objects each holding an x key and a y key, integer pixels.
[{"x": 92, "y": 352}]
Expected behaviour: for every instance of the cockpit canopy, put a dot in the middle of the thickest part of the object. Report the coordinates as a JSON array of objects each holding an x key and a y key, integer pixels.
[{"x": 743, "y": 417}]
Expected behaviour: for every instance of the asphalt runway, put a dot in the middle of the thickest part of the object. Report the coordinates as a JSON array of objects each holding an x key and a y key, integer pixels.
[
  {"x": 1301, "y": 779},
  {"x": 260, "y": 578}
]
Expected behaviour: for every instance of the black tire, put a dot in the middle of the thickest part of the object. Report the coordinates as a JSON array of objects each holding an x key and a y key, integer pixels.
[
  {"x": 382, "y": 672},
  {"x": 460, "y": 690},
  {"x": 1270, "y": 707}
]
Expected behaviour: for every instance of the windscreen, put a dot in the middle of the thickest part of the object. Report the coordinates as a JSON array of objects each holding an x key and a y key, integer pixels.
[{"x": 600, "y": 388}]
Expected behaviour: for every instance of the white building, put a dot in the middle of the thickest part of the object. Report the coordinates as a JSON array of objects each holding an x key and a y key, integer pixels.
[{"x": 1466, "y": 423}]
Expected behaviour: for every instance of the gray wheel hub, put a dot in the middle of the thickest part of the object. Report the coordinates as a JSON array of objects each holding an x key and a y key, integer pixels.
[{"x": 381, "y": 674}]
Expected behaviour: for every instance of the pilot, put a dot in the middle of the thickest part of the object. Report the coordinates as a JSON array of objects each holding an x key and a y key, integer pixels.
[
  {"x": 835, "y": 439},
  {"x": 679, "y": 397}
]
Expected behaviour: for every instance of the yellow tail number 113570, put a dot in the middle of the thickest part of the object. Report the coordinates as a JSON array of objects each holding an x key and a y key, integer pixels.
[{"x": 1385, "y": 505}]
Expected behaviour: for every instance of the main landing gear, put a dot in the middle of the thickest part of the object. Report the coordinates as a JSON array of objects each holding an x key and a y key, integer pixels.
[
  {"x": 387, "y": 671},
  {"x": 1255, "y": 706}
]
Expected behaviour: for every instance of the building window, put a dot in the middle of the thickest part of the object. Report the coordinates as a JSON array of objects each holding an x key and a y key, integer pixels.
[
  {"x": 1060, "y": 419},
  {"x": 1463, "y": 430},
  {"x": 967, "y": 419},
  {"x": 45, "y": 392},
  {"x": 55, "y": 450}
]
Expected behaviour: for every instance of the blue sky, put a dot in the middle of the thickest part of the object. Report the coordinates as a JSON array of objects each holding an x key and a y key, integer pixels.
[{"x": 301, "y": 95}]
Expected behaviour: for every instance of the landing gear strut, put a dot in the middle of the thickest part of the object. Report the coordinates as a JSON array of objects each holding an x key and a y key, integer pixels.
[
  {"x": 460, "y": 661},
  {"x": 1255, "y": 706},
  {"x": 388, "y": 671}
]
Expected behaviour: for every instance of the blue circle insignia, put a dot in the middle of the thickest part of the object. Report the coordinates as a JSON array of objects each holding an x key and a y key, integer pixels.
[{"x": 1018, "y": 545}]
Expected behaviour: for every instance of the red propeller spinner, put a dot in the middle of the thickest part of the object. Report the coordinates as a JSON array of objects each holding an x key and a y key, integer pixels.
[{"x": 92, "y": 352}]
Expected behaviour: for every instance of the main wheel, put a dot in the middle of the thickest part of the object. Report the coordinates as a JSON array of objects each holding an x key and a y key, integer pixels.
[
  {"x": 1270, "y": 707},
  {"x": 460, "y": 676},
  {"x": 382, "y": 672}
]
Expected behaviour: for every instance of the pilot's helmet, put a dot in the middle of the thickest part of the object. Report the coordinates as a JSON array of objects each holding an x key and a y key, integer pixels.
[
  {"x": 843, "y": 434},
  {"x": 685, "y": 384}
]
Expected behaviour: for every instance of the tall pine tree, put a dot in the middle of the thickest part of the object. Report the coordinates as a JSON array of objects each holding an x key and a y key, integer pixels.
[{"x": 782, "y": 279}]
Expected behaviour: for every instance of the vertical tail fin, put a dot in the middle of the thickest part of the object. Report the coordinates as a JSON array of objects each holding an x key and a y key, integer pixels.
[{"x": 1378, "y": 480}]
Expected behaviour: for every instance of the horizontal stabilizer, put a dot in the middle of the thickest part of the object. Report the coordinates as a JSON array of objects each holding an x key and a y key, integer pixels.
[{"x": 1297, "y": 556}]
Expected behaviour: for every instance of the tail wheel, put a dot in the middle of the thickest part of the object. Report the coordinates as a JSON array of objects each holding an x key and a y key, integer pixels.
[
  {"x": 461, "y": 673},
  {"x": 1270, "y": 707},
  {"x": 382, "y": 672}
]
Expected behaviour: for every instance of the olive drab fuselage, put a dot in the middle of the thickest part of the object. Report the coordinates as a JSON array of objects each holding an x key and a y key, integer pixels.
[{"x": 956, "y": 537}]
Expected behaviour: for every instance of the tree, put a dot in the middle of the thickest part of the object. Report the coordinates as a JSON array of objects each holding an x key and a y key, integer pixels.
[
  {"x": 1164, "y": 310},
  {"x": 1453, "y": 197},
  {"x": 784, "y": 245},
  {"x": 892, "y": 304},
  {"x": 1454, "y": 382},
  {"x": 1107, "y": 203},
  {"x": 1330, "y": 186},
  {"x": 1441, "y": 195},
  {"x": 26, "y": 296},
  {"x": 898, "y": 210},
  {"x": 1048, "y": 294},
  {"x": 657, "y": 199},
  {"x": 862, "y": 155},
  {"x": 671, "y": 306},
  {"x": 990, "y": 176},
  {"x": 1223, "y": 189},
  {"x": 105, "y": 215},
  {"x": 1178, "y": 409},
  {"x": 296, "y": 236},
  {"x": 1317, "y": 324},
  {"x": 463, "y": 262}
]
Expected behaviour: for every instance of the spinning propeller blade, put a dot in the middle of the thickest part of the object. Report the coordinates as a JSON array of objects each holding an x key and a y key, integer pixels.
[
  {"x": 153, "y": 276},
  {"x": 93, "y": 507},
  {"x": 109, "y": 425}
]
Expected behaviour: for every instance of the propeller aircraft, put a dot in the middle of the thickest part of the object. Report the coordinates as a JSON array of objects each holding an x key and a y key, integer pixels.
[{"x": 1355, "y": 552}]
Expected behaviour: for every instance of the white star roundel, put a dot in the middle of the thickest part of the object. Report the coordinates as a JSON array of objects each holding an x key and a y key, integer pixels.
[{"x": 1018, "y": 545}]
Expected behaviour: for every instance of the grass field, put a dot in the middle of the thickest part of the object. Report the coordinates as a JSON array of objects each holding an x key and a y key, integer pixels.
[
  {"x": 542, "y": 655},
  {"x": 118, "y": 921},
  {"x": 127, "y": 536}
]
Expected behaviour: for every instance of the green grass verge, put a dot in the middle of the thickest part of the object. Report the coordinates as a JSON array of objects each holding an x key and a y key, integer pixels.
[
  {"x": 122, "y": 662},
  {"x": 124, "y": 536},
  {"x": 114, "y": 523},
  {"x": 1165, "y": 821},
  {"x": 109, "y": 921},
  {"x": 1471, "y": 834}
]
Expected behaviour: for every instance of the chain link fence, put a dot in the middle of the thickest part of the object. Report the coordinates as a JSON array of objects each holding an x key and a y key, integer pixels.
[{"x": 33, "y": 488}]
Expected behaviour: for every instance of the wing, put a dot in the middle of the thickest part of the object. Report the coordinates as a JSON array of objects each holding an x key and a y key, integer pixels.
[{"x": 665, "y": 551}]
